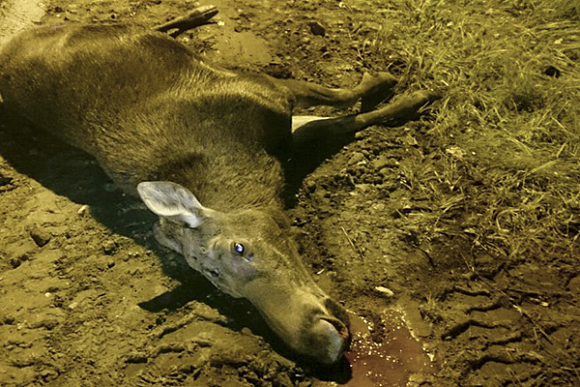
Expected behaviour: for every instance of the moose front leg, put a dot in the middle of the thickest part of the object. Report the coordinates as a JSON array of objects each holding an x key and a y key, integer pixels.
[{"x": 328, "y": 135}]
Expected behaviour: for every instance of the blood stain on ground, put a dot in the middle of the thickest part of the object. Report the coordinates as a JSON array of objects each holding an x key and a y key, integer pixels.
[{"x": 389, "y": 362}]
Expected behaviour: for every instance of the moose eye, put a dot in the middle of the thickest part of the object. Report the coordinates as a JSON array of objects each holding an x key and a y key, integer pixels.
[{"x": 239, "y": 248}]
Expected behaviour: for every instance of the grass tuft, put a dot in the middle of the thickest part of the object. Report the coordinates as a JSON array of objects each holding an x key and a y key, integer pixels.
[{"x": 503, "y": 170}]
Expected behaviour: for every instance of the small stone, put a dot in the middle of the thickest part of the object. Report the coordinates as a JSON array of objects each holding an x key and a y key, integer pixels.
[
  {"x": 356, "y": 158},
  {"x": 40, "y": 236},
  {"x": 109, "y": 247},
  {"x": 83, "y": 210},
  {"x": 382, "y": 162},
  {"x": 363, "y": 187},
  {"x": 386, "y": 291},
  {"x": 410, "y": 140}
]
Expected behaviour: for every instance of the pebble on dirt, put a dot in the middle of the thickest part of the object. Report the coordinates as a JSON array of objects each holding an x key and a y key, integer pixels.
[
  {"x": 385, "y": 291},
  {"x": 41, "y": 237},
  {"x": 109, "y": 247}
]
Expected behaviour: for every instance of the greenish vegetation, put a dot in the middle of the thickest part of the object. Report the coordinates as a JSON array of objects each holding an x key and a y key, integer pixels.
[{"x": 503, "y": 164}]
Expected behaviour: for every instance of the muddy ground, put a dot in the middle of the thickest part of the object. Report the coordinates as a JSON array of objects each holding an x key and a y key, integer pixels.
[{"x": 420, "y": 228}]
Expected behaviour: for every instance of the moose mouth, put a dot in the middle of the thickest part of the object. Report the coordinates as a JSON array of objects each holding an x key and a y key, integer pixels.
[{"x": 340, "y": 327}]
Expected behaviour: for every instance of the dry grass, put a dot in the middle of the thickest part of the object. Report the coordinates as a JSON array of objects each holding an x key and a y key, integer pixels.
[{"x": 503, "y": 164}]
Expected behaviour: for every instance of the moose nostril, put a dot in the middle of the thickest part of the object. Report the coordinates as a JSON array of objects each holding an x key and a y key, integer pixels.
[{"x": 339, "y": 326}]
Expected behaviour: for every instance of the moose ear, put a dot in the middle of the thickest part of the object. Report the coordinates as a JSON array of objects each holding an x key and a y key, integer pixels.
[{"x": 173, "y": 202}]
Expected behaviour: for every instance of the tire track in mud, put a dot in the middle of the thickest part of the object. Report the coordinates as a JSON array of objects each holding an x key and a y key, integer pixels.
[{"x": 506, "y": 330}]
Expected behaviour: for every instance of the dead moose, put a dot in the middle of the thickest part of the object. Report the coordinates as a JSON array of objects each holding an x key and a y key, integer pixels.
[{"x": 203, "y": 147}]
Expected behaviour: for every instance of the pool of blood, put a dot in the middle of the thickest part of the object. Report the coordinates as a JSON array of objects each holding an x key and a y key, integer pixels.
[{"x": 390, "y": 362}]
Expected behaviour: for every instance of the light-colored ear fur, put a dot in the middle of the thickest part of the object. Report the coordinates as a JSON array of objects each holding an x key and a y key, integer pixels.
[{"x": 172, "y": 202}]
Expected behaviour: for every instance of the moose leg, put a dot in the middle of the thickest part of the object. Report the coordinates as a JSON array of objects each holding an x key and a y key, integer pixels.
[
  {"x": 314, "y": 139},
  {"x": 306, "y": 94},
  {"x": 328, "y": 135},
  {"x": 197, "y": 17}
]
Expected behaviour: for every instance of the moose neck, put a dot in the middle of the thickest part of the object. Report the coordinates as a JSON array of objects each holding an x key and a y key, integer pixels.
[
  {"x": 213, "y": 145},
  {"x": 228, "y": 181}
]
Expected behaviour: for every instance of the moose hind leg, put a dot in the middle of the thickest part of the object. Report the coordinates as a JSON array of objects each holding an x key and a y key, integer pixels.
[{"x": 306, "y": 94}]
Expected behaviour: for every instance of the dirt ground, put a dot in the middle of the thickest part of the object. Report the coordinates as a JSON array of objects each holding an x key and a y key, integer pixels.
[{"x": 452, "y": 240}]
